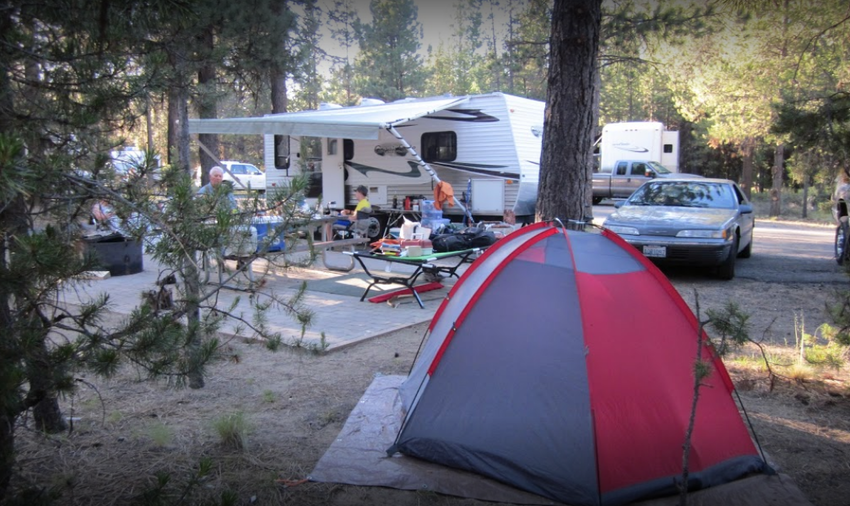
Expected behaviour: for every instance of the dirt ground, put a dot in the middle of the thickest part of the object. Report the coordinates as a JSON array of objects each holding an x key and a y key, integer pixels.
[{"x": 293, "y": 405}]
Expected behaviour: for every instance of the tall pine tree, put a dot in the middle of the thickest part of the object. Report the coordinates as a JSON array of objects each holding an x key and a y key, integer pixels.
[
  {"x": 388, "y": 66},
  {"x": 565, "y": 162}
]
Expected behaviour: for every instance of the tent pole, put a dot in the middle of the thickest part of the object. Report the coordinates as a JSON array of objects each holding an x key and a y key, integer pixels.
[{"x": 410, "y": 149}]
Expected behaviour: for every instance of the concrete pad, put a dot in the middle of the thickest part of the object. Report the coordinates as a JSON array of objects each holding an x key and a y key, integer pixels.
[{"x": 338, "y": 321}]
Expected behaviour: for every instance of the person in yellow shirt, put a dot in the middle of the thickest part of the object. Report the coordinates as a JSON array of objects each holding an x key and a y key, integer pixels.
[
  {"x": 360, "y": 216},
  {"x": 363, "y": 210}
]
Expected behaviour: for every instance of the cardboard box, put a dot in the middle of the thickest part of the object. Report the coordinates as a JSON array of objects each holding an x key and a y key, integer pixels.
[{"x": 422, "y": 243}]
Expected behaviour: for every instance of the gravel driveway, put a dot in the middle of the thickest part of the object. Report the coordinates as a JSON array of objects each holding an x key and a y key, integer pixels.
[{"x": 789, "y": 280}]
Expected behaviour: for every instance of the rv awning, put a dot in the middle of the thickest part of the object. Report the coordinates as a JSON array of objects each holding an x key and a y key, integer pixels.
[{"x": 361, "y": 122}]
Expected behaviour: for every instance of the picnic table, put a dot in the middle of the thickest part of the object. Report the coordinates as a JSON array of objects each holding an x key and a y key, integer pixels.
[
  {"x": 245, "y": 246},
  {"x": 435, "y": 266}
]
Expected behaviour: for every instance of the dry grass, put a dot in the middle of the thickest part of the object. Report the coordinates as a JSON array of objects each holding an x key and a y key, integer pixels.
[
  {"x": 297, "y": 402},
  {"x": 791, "y": 208},
  {"x": 233, "y": 429}
]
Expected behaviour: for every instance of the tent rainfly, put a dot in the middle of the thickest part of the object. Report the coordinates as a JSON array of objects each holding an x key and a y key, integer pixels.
[{"x": 562, "y": 363}]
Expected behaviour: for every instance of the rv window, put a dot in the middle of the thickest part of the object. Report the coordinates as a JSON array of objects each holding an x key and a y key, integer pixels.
[
  {"x": 668, "y": 148},
  {"x": 281, "y": 152},
  {"x": 347, "y": 149},
  {"x": 311, "y": 164},
  {"x": 439, "y": 146}
]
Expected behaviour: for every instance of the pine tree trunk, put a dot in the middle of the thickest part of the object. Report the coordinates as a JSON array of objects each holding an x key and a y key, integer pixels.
[
  {"x": 46, "y": 413},
  {"x": 7, "y": 452},
  {"x": 564, "y": 190},
  {"x": 178, "y": 115},
  {"x": 747, "y": 170},
  {"x": 192, "y": 284},
  {"x": 48, "y": 416},
  {"x": 207, "y": 106},
  {"x": 9, "y": 393},
  {"x": 279, "y": 99},
  {"x": 776, "y": 189},
  {"x": 278, "y": 72},
  {"x": 8, "y": 387},
  {"x": 173, "y": 126},
  {"x": 805, "y": 198},
  {"x": 807, "y": 170}
]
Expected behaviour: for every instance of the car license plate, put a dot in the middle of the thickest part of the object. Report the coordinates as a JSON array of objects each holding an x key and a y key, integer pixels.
[{"x": 655, "y": 251}]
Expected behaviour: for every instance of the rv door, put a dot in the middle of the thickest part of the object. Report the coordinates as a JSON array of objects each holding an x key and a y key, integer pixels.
[{"x": 333, "y": 173}]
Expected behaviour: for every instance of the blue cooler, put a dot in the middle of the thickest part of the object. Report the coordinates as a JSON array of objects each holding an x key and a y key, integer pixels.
[{"x": 265, "y": 226}]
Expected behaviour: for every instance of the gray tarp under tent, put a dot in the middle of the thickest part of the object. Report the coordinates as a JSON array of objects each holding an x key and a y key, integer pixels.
[{"x": 358, "y": 457}]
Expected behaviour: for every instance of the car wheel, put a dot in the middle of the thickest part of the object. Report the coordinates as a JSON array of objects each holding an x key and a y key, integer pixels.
[
  {"x": 597, "y": 200},
  {"x": 841, "y": 234},
  {"x": 726, "y": 270},
  {"x": 748, "y": 251}
]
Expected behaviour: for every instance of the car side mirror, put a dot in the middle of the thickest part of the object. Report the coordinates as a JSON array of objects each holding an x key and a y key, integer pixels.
[
  {"x": 618, "y": 204},
  {"x": 650, "y": 174},
  {"x": 746, "y": 208}
]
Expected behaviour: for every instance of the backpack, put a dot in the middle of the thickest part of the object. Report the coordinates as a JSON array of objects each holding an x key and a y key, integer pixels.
[{"x": 469, "y": 238}]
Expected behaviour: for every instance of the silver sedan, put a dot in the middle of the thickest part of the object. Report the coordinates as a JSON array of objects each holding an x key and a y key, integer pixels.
[{"x": 706, "y": 222}]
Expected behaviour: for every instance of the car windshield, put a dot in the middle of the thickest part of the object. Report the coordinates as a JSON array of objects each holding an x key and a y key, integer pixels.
[{"x": 683, "y": 194}]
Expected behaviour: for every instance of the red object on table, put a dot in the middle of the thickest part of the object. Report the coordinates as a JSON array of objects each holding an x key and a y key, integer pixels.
[
  {"x": 407, "y": 203},
  {"x": 422, "y": 243}
]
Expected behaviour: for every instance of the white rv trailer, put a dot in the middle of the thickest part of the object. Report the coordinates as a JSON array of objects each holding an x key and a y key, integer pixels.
[
  {"x": 489, "y": 142},
  {"x": 639, "y": 140}
]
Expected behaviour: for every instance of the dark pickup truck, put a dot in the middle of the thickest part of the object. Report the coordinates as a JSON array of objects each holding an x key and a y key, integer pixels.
[{"x": 626, "y": 177}]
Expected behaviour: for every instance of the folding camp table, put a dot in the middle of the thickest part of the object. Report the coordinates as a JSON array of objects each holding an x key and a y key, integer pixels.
[{"x": 426, "y": 264}]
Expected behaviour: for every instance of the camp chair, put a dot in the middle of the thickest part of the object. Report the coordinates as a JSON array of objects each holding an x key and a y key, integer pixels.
[{"x": 364, "y": 226}]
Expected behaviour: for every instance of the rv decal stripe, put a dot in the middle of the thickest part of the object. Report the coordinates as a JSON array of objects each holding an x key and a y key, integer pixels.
[
  {"x": 476, "y": 169},
  {"x": 475, "y": 165},
  {"x": 414, "y": 171},
  {"x": 477, "y": 116}
]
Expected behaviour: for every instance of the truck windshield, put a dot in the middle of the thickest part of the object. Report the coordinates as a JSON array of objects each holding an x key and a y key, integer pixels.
[{"x": 660, "y": 169}]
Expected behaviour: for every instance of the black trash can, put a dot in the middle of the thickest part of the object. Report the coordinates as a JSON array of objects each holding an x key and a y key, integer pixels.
[{"x": 116, "y": 253}]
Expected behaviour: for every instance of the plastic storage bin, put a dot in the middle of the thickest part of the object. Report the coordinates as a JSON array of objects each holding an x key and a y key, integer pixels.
[{"x": 436, "y": 225}]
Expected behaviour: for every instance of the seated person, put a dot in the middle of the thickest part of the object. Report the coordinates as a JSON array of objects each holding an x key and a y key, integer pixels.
[
  {"x": 362, "y": 213},
  {"x": 363, "y": 210},
  {"x": 223, "y": 193},
  {"x": 105, "y": 216}
]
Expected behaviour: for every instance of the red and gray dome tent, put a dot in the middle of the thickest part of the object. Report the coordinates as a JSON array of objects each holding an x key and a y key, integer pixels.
[{"x": 562, "y": 364}]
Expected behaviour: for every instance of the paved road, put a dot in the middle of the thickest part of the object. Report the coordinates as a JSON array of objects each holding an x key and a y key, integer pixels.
[{"x": 782, "y": 252}]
